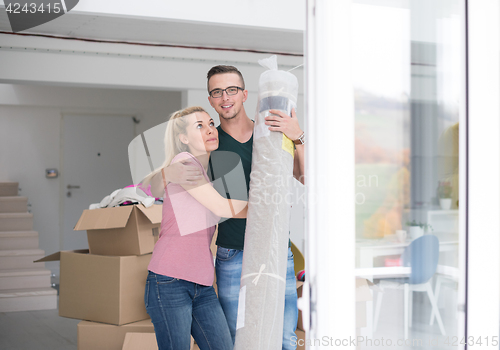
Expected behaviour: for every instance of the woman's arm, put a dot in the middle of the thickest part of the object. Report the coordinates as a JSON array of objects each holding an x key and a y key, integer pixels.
[
  {"x": 213, "y": 201},
  {"x": 158, "y": 185}
]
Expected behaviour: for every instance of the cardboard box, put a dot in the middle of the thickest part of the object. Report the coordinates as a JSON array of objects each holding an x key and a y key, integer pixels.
[
  {"x": 146, "y": 341},
  {"x": 140, "y": 341},
  {"x": 101, "y": 336},
  {"x": 100, "y": 288},
  {"x": 118, "y": 231},
  {"x": 363, "y": 294},
  {"x": 300, "y": 325},
  {"x": 301, "y": 340}
]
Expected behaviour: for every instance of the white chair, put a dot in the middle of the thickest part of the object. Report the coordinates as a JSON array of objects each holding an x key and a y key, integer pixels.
[
  {"x": 422, "y": 256},
  {"x": 448, "y": 275}
]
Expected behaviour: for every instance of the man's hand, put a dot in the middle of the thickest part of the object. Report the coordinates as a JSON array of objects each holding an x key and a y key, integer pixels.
[
  {"x": 290, "y": 127},
  {"x": 182, "y": 173},
  {"x": 280, "y": 121}
]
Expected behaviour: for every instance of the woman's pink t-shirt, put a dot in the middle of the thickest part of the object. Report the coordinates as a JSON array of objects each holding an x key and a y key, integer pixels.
[{"x": 187, "y": 228}]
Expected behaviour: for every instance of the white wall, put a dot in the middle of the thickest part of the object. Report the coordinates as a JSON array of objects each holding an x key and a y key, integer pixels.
[
  {"x": 32, "y": 60},
  {"x": 35, "y": 60},
  {"x": 285, "y": 14},
  {"x": 71, "y": 62},
  {"x": 43, "y": 78}
]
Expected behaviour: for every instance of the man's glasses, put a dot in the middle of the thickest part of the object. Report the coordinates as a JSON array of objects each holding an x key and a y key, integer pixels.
[{"x": 230, "y": 91}]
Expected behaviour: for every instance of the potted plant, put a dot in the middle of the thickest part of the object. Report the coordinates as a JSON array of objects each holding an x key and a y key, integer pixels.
[
  {"x": 417, "y": 229},
  {"x": 444, "y": 195}
]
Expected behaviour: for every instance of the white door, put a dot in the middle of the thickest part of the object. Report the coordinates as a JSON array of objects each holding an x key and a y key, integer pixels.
[{"x": 95, "y": 163}]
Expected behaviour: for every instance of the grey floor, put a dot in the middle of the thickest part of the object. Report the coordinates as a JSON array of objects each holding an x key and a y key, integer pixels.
[
  {"x": 422, "y": 336},
  {"x": 46, "y": 330},
  {"x": 37, "y": 330}
]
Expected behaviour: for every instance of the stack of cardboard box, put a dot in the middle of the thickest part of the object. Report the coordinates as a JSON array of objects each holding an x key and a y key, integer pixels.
[{"x": 104, "y": 285}]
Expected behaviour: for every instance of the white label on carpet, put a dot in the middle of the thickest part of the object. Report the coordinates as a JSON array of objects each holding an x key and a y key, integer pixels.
[{"x": 240, "y": 321}]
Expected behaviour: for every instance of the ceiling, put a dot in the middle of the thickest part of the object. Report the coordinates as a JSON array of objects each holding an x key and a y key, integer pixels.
[{"x": 169, "y": 32}]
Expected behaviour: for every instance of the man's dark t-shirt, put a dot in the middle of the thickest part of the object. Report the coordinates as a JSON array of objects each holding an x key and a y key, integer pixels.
[{"x": 230, "y": 167}]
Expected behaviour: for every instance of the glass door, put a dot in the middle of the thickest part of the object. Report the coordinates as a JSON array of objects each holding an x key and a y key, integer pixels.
[
  {"x": 409, "y": 99},
  {"x": 387, "y": 208}
]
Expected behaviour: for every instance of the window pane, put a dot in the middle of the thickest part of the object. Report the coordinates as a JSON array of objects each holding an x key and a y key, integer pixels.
[{"x": 409, "y": 83}]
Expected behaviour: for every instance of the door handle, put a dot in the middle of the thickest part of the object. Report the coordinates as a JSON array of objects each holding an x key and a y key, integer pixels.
[{"x": 70, "y": 187}]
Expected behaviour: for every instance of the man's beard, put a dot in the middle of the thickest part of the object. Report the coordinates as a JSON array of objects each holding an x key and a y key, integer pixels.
[{"x": 228, "y": 118}]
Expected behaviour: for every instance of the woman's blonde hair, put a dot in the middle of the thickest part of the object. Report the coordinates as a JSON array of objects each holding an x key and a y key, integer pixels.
[{"x": 176, "y": 126}]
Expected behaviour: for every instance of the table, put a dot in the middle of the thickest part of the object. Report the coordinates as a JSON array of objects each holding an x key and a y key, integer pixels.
[{"x": 368, "y": 249}]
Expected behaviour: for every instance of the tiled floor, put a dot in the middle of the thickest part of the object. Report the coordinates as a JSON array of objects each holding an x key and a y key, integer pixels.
[{"x": 37, "y": 330}]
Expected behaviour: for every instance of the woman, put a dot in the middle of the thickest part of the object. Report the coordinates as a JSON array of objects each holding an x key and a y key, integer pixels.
[{"x": 179, "y": 295}]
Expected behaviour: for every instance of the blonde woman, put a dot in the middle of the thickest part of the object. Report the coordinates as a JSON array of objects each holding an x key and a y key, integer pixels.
[{"x": 179, "y": 295}]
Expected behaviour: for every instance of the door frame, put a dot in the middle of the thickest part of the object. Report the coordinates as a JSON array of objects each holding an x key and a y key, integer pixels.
[
  {"x": 330, "y": 256},
  {"x": 483, "y": 186}
]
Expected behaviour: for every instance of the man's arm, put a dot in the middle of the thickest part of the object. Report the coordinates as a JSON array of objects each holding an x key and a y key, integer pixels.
[
  {"x": 280, "y": 121},
  {"x": 298, "y": 163},
  {"x": 181, "y": 173}
]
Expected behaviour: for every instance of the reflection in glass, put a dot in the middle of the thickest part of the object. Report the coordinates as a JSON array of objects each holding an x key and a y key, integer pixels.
[{"x": 408, "y": 92}]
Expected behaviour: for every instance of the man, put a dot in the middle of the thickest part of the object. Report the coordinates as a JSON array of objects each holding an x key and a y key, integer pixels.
[{"x": 227, "y": 94}]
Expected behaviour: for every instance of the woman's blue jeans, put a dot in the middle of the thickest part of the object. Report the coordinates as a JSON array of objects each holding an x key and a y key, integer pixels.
[
  {"x": 228, "y": 269},
  {"x": 179, "y": 308}
]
